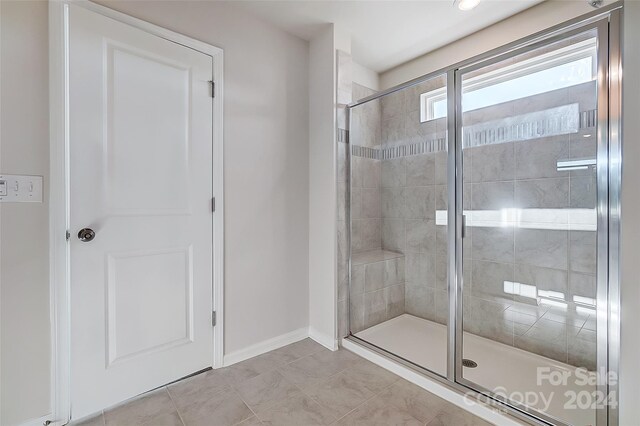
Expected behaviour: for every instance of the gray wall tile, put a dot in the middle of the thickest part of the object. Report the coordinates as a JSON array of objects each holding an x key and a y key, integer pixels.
[
  {"x": 489, "y": 279},
  {"x": 550, "y": 193},
  {"x": 420, "y": 301},
  {"x": 419, "y": 202},
  {"x": 583, "y": 192},
  {"x": 375, "y": 308},
  {"x": 582, "y": 251},
  {"x": 420, "y": 170},
  {"x": 393, "y": 234},
  {"x": 420, "y": 235},
  {"x": 538, "y": 158},
  {"x": 420, "y": 268},
  {"x": 542, "y": 278},
  {"x": 492, "y": 162},
  {"x": 494, "y": 244},
  {"x": 490, "y": 195},
  {"x": 374, "y": 276},
  {"x": 371, "y": 203},
  {"x": 393, "y": 173},
  {"x": 541, "y": 247}
]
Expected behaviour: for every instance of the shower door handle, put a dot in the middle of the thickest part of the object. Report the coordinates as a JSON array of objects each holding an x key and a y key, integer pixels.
[{"x": 464, "y": 225}]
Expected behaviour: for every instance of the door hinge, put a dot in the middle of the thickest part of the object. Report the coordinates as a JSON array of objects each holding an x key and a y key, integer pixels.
[
  {"x": 68, "y": 235},
  {"x": 213, "y": 204},
  {"x": 213, "y": 88},
  {"x": 214, "y": 318}
]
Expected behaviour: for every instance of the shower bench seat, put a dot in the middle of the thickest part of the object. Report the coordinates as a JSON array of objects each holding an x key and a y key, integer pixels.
[{"x": 373, "y": 256}]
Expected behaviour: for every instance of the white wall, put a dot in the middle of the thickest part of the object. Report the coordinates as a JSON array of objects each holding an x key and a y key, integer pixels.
[
  {"x": 365, "y": 77},
  {"x": 266, "y": 183},
  {"x": 630, "y": 239},
  {"x": 528, "y": 22},
  {"x": 322, "y": 188},
  {"x": 24, "y": 235}
]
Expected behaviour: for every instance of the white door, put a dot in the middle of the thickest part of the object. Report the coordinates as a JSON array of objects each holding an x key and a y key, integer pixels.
[{"x": 140, "y": 167}]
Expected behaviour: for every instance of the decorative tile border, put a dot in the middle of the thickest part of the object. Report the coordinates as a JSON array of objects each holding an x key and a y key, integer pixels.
[
  {"x": 343, "y": 136},
  {"x": 365, "y": 152},
  {"x": 426, "y": 147},
  {"x": 563, "y": 120},
  {"x": 549, "y": 122}
]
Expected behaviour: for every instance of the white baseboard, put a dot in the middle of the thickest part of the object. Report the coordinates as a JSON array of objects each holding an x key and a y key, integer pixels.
[
  {"x": 325, "y": 340},
  {"x": 481, "y": 410},
  {"x": 265, "y": 346}
]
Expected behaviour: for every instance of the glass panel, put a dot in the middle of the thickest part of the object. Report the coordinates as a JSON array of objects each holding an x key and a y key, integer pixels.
[
  {"x": 398, "y": 289},
  {"x": 529, "y": 197}
]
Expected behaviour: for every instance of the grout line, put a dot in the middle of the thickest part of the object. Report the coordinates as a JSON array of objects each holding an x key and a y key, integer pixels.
[
  {"x": 355, "y": 409},
  {"x": 175, "y": 406},
  {"x": 233, "y": 389},
  {"x": 276, "y": 369}
]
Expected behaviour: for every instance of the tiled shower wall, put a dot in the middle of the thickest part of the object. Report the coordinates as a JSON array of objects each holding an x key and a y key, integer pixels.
[
  {"x": 559, "y": 263},
  {"x": 377, "y": 291},
  {"x": 414, "y": 186},
  {"x": 366, "y": 214}
]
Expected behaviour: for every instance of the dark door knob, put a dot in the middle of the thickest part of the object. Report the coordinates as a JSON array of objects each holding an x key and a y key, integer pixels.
[{"x": 86, "y": 234}]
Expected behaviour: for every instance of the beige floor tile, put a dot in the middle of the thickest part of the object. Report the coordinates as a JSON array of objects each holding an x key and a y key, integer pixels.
[
  {"x": 265, "y": 390},
  {"x": 421, "y": 404},
  {"x": 223, "y": 409},
  {"x": 171, "y": 419},
  {"x": 377, "y": 412},
  {"x": 370, "y": 376},
  {"x": 237, "y": 373},
  {"x": 309, "y": 371},
  {"x": 340, "y": 393},
  {"x": 197, "y": 388},
  {"x": 143, "y": 410},
  {"x": 299, "y": 410},
  {"x": 252, "y": 421},
  {"x": 302, "y": 378},
  {"x": 300, "y": 349}
]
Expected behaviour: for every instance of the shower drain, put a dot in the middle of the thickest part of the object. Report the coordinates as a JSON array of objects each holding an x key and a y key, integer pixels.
[{"x": 469, "y": 363}]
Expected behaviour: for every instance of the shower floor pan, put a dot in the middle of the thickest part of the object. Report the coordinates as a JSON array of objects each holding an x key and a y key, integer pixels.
[{"x": 504, "y": 369}]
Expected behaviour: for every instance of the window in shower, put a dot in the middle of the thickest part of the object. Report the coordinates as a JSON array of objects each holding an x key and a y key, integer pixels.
[
  {"x": 399, "y": 300},
  {"x": 565, "y": 67}
]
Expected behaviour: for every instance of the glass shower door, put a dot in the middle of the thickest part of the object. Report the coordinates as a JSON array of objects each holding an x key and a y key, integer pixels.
[
  {"x": 532, "y": 177},
  {"x": 398, "y": 212}
]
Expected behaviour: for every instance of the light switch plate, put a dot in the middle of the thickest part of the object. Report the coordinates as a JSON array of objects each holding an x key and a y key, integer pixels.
[{"x": 20, "y": 189}]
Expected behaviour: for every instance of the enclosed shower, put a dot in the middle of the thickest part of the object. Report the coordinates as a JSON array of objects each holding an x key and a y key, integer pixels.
[{"x": 482, "y": 216}]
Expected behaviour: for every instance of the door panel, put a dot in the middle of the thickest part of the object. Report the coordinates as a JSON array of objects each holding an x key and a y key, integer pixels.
[
  {"x": 140, "y": 169},
  {"x": 130, "y": 91},
  {"x": 529, "y": 196},
  {"x": 132, "y": 278}
]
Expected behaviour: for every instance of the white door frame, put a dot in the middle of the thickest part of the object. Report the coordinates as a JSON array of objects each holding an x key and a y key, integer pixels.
[{"x": 59, "y": 192}]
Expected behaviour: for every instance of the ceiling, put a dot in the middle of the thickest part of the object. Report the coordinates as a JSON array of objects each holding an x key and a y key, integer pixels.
[{"x": 385, "y": 34}]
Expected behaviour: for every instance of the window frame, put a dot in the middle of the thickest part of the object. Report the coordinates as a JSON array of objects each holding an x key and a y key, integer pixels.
[{"x": 555, "y": 58}]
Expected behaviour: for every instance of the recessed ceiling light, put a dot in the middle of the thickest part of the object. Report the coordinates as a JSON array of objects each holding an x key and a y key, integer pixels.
[{"x": 467, "y": 4}]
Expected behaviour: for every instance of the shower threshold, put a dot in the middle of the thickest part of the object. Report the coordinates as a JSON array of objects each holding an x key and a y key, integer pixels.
[{"x": 501, "y": 368}]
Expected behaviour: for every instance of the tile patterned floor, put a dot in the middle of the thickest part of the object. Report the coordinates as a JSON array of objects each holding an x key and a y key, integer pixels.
[{"x": 302, "y": 384}]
